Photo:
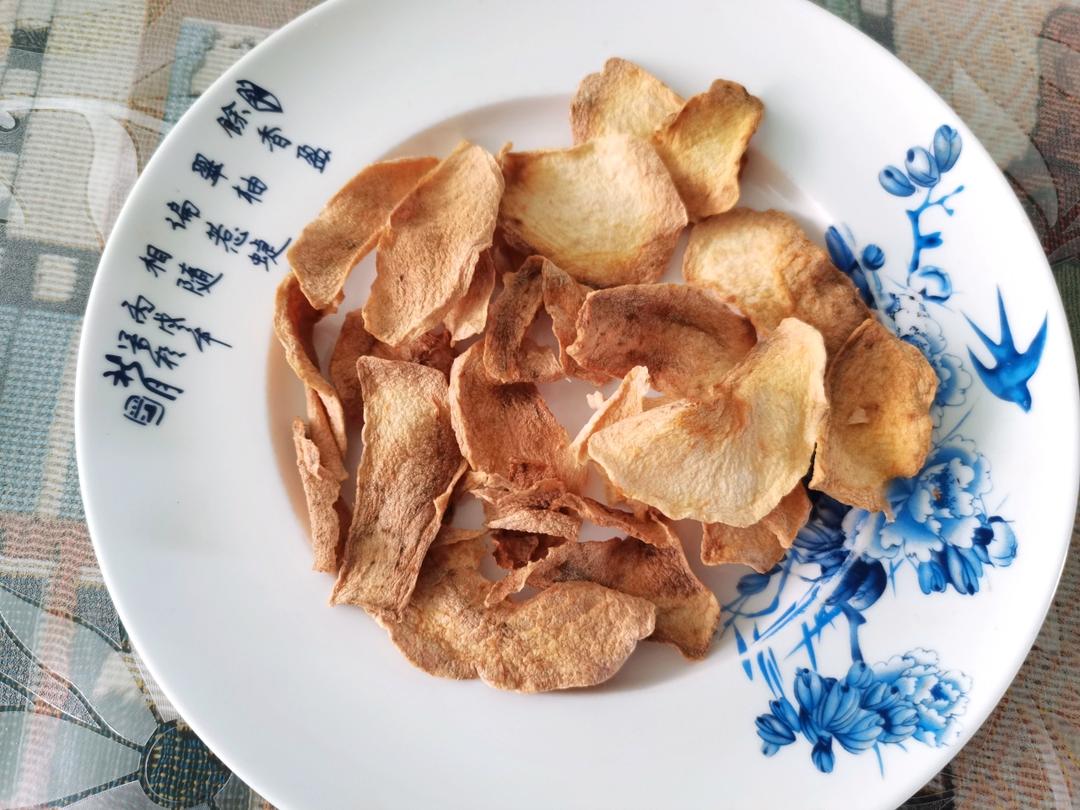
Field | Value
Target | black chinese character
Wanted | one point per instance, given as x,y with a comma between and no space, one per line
198,281
259,98
160,355
143,410
252,190
139,310
121,375
273,139
316,156
233,120
185,212
208,169
226,237
155,259
264,254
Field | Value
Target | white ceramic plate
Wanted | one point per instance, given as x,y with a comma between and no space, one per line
192,497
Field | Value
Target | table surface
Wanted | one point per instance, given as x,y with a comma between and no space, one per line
87,90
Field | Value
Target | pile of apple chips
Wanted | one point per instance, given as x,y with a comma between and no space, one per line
764,374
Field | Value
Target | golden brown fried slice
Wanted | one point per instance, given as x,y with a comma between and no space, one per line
294,324
606,212
732,459
563,298
503,498
428,254
469,315
406,476
763,263
623,98
687,612
349,225
430,349
762,545
509,356
507,429
703,144
880,390
628,400
573,634
321,473
687,337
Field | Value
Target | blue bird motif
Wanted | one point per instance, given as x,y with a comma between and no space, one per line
1008,379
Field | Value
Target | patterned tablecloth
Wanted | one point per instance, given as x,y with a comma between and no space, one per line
87,90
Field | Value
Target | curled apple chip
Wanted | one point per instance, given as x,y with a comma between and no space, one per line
349,225
507,429
469,315
428,253
406,476
521,554
687,612
572,634
686,336
510,356
762,545
319,462
703,144
763,263
728,460
354,341
606,211
294,325
880,390
628,400
563,298
622,98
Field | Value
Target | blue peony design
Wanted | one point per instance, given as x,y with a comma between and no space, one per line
908,696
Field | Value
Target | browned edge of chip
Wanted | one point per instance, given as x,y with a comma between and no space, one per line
349,225
762,545
509,355
469,315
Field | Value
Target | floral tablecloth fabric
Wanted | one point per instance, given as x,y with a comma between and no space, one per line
87,90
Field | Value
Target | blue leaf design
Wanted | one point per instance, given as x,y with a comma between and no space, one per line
921,168
894,181
933,282
947,146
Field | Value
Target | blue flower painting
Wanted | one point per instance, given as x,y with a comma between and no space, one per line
943,534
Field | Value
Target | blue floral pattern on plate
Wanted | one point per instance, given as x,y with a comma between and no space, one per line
943,534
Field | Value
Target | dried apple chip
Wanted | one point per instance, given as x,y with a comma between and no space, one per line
509,356
563,298
762,545
294,324
469,315
732,459
687,612
687,337
406,476
572,634
703,144
506,429
321,473
349,224
621,98
880,390
427,256
763,263
606,212
628,400
430,349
